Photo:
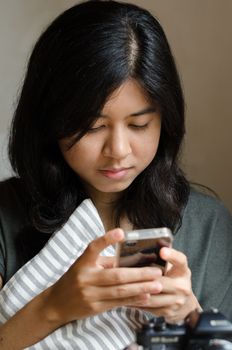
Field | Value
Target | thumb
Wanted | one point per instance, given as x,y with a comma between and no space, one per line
177,259
92,252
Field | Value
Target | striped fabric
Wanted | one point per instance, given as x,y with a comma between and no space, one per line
114,329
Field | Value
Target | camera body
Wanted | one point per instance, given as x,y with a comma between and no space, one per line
201,331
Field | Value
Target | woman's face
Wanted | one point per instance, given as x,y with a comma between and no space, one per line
120,145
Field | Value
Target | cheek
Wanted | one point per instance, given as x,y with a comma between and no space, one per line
150,151
74,157
81,156
148,148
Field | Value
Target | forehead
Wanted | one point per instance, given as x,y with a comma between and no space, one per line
129,95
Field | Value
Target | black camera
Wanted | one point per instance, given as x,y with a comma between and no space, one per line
201,331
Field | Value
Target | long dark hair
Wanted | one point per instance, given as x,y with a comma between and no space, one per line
81,58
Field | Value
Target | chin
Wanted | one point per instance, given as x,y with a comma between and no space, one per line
114,189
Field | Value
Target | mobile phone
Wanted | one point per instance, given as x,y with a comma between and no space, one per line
141,248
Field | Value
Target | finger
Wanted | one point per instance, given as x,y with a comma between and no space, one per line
169,285
169,302
121,275
133,346
122,291
106,261
176,285
159,301
110,304
92,252
175,257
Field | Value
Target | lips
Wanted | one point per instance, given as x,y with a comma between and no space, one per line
115,170
115,173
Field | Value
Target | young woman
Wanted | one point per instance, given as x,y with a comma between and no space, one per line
101,116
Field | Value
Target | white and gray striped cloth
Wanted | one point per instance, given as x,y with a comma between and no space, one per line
114,329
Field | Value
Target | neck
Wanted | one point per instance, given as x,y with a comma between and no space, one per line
105,204
106,212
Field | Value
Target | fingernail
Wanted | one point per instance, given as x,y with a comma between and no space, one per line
117,234
165,252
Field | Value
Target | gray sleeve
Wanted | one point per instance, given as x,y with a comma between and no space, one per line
218,271
206,238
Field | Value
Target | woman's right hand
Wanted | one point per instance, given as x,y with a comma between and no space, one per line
93,285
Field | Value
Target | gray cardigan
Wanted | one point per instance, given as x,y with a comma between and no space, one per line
206,238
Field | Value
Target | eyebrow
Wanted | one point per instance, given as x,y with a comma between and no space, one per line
144,111
136,114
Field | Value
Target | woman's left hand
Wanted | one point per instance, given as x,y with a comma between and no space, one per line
176,300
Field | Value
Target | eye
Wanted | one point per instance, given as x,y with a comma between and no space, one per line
96,128
137,126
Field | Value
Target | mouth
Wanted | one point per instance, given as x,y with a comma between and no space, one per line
115,173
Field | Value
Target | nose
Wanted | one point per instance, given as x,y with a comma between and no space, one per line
117,144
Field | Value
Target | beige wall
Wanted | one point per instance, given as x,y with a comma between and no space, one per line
199,32
200,35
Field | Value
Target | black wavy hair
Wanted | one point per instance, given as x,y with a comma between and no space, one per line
78,61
